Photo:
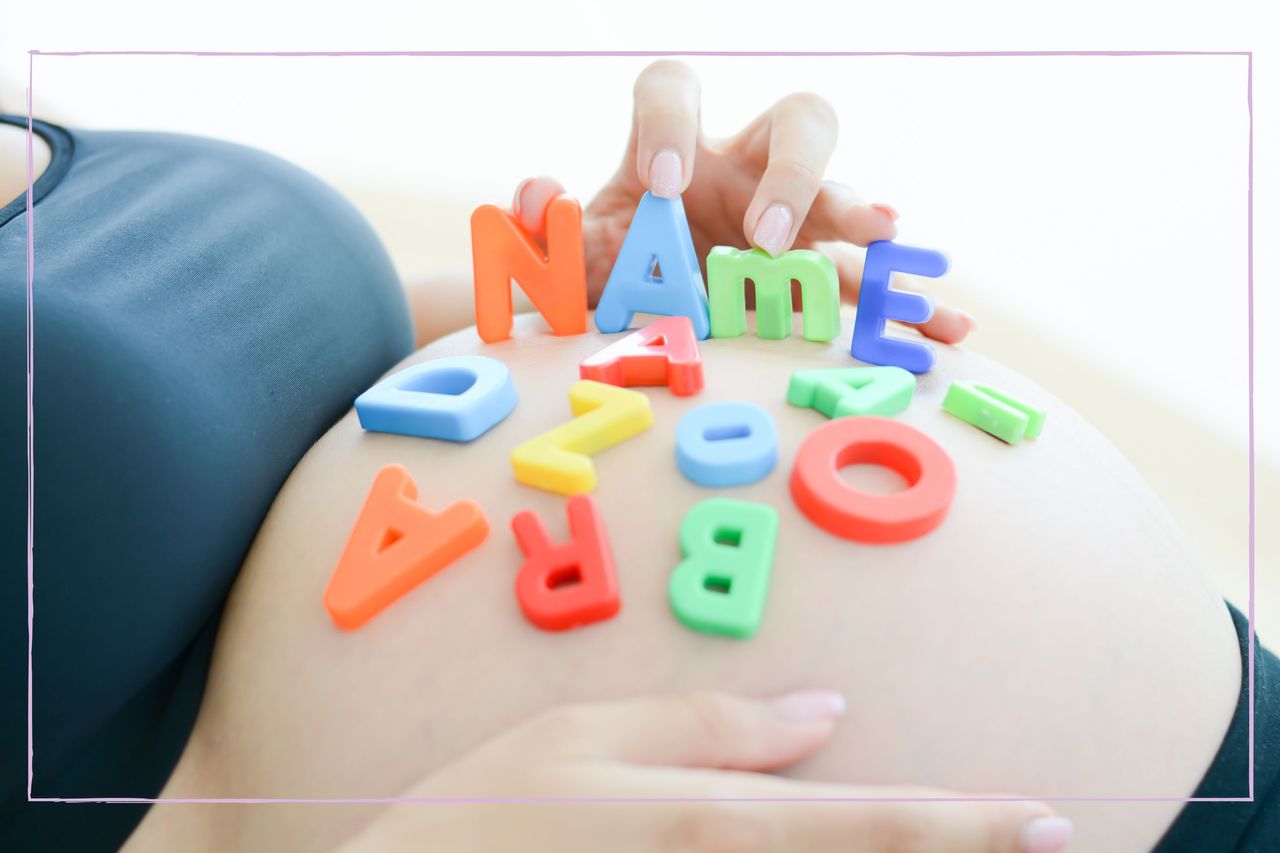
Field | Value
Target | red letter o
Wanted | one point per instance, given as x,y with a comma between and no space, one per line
835,506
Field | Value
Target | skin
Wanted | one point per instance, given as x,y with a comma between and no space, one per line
660,746
13,161
875,826
1035,642
296,708
778,159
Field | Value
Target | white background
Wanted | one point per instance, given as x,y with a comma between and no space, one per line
1094,208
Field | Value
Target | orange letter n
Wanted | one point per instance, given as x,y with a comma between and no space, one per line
556,282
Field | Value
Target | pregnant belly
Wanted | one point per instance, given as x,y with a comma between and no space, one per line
1051,637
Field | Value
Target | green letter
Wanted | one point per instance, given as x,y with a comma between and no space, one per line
720,586
728,269
993,411
843,391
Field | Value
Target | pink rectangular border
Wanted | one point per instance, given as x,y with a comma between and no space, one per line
622,53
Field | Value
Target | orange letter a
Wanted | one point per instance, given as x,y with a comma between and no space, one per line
397,544
556,283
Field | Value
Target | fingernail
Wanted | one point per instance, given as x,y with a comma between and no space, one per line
665,173
808,706
773,229
886,210
1045,835
968,320
515,202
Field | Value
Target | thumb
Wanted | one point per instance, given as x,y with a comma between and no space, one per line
699,729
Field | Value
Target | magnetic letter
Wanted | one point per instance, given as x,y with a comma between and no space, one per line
664,352
728,269
457,399
658,239
991,410
395,545
562,586
721,585
556,282
840,509
845,391
726,444
560,461
877,302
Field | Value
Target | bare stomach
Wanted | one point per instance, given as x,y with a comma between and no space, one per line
1052,637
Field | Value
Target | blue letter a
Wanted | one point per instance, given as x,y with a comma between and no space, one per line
658,237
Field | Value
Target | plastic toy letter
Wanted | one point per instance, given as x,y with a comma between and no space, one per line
726,444
840,509
845,391
556,282
721,585
657,242
573,583
991,410
458,399
877,302
560,460
395,545
728,269
662,353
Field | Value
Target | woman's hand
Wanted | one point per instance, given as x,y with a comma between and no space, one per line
762,187
700,756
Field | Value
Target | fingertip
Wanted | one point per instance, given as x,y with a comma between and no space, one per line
948,326
529,206
772,232
865,224
517,202
667,96
885,210
1046,834
808,706
666,173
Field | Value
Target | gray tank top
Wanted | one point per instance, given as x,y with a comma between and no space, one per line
203,312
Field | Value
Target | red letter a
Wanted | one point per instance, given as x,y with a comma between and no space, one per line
664,352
